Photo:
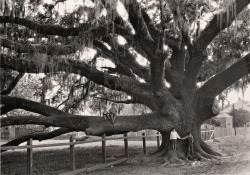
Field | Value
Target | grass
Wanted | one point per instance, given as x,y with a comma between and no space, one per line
50,162
230,146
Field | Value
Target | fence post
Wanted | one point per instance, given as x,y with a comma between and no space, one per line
126,144
30,157
144,143
72,154
103,148
158,139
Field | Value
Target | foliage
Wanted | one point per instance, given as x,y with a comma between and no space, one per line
213,122
241,117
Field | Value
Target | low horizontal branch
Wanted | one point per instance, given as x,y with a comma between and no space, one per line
95,125
28,105
37,136
76,123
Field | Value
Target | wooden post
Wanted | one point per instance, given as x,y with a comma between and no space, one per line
234,123
103,149
72,154
30,157
158,139
144,143
126,144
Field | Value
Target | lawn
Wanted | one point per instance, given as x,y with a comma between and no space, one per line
56,161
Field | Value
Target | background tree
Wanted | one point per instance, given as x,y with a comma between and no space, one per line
177,40
241,117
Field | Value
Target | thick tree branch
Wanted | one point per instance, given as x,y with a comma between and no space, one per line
221,81
172,42
5,109
19,103
12,85
94,125
126,57
120,101
69,49
123,83
37,48
198,53
175,74
37,136
146,33
90,124
204,107
214,27
120,69
77,123
55,29
74,102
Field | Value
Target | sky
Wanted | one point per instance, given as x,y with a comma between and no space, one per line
233,96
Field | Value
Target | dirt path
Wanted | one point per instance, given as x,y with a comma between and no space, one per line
238,164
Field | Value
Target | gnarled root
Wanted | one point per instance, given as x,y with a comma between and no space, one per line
208,149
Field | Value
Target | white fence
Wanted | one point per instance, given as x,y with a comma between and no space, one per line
222,132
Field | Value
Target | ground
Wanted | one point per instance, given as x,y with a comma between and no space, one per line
236,160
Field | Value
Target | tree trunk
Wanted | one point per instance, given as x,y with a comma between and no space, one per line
188,121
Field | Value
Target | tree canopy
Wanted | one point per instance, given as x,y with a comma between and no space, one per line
172,56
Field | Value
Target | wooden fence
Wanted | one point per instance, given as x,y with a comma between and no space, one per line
206,135
72,144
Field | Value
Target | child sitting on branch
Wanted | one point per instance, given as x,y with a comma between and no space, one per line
113,112
105,113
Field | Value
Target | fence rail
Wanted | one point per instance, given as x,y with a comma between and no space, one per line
72,144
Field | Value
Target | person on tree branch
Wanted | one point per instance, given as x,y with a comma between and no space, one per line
105,113
190,140
173,137
113,112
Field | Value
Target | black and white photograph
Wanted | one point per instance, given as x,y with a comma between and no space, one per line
125,87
